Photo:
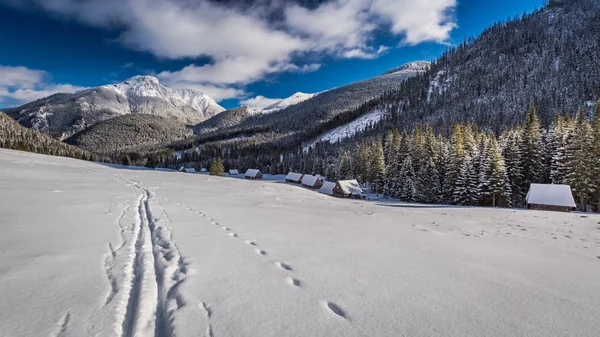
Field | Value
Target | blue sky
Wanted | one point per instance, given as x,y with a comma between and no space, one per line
232,52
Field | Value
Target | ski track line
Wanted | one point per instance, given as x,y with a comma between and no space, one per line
329,306
208,313
62,325
154,270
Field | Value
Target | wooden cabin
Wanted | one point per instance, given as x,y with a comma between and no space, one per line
294,178
550,197
253,174
311,181
327,188
190,170
233,172
347,189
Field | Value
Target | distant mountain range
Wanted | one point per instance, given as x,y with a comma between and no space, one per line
296,98
62,115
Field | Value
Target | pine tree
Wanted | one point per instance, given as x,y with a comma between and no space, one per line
392,165
428,188
580,159
595,163
216,167
530,145
345,168
498,187
377,168
407,181
512,159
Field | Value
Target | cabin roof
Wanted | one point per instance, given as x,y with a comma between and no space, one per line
553,195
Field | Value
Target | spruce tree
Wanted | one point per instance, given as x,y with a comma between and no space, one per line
595,162
377,168
216,167
498,187
530,147
345,168
580,159
407,189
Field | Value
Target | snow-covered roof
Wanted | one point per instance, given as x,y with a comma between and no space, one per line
190,170
350,187
554,195
204,169
234,172
309,180
327,188
294,176
252,173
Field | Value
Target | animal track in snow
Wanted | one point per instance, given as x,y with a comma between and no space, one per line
294,281
251,243
233,235
261,252
334,308
208,312
283,265
226,228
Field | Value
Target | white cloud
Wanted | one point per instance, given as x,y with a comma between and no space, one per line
246,43
22,85
259,102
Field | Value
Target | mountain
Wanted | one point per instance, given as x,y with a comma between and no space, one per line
550,57
303,119
296,98
130,133
16,137
62,115
225,119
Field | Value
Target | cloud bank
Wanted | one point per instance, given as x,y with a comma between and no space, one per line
22,85
248,42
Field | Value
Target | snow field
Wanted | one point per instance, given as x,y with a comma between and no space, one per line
107,251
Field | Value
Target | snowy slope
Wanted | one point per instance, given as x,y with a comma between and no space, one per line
62,115
284,103
166,253
350,129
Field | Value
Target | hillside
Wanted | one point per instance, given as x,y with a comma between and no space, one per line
16,137
551,57
304,118
62,115
134,132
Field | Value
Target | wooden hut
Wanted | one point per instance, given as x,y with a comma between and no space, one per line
311,181
253,174
233,172
294,178
347,189
190,170
550,198
203,170
327,188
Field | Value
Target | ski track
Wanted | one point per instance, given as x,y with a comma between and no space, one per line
330,307
62,325
149,296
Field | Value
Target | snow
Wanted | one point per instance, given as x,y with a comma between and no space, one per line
93,250
190,170
296,98
309,180
141,87
327,188
294,176
252,173
350,187
554,195
348,130
234,172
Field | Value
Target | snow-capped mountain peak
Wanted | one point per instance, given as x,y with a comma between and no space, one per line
416,66
62,115
284,103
